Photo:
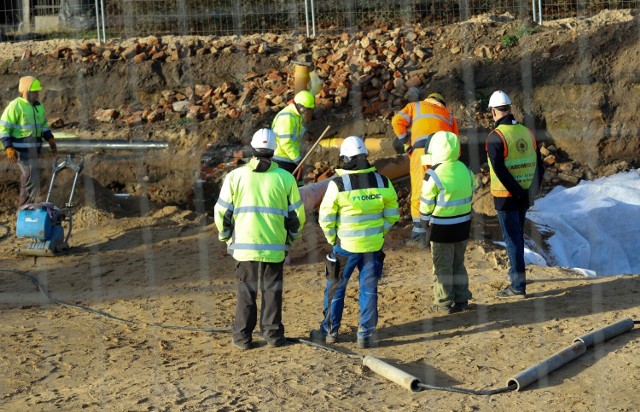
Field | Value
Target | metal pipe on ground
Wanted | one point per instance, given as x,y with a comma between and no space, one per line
579,346
101,144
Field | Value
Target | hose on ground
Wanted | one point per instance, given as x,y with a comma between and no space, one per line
109,316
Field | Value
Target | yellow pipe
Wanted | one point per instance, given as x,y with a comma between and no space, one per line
372,144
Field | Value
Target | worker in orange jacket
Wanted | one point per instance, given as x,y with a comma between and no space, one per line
414,125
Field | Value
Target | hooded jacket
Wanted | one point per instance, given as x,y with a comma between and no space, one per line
447,191
23,125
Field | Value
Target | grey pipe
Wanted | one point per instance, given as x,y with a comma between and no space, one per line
392,373
568,354
606,333
99,144
547,366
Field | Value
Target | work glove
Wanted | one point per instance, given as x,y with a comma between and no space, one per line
12,155
52,145
398,146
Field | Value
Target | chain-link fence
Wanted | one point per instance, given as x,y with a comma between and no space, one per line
129,18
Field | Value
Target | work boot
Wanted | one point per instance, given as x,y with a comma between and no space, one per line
511,293
318,336
242,345
367,343
461,306
277,342
447,310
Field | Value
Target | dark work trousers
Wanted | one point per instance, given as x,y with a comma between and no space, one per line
29,181
270,277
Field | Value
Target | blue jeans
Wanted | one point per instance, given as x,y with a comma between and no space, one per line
370,269
512,225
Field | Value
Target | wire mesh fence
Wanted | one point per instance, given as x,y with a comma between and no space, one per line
129,18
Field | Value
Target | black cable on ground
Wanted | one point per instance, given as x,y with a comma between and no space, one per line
35,281
469,391
422,386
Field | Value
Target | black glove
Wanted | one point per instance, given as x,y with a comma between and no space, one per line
398,146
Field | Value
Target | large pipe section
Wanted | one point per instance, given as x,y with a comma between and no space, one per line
577,348
392,373
391,167
606,333
100,144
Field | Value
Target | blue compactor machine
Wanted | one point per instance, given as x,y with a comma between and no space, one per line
44,223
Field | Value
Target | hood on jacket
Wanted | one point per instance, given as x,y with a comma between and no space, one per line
25,85
443,148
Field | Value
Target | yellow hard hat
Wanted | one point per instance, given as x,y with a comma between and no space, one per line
306,99
438,97
35,86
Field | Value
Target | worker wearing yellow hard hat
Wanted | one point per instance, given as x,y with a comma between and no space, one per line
289,128
23,128
414,125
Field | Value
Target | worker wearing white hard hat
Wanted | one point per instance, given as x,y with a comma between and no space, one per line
258,214
516,172
358,209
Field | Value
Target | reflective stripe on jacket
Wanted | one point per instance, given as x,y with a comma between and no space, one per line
23,125
358,209
447,191
423,119
519,157
287,125
258,214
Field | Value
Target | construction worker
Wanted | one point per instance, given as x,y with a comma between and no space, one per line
288,125
445,206
23,127
358,209
259,213
515,169
413,126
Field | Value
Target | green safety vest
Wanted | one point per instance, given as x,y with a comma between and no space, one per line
358,209
287,125
519,157
447,189
259,214
23,125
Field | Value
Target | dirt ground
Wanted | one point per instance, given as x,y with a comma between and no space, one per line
136,316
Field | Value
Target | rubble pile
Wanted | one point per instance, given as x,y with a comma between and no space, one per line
371,73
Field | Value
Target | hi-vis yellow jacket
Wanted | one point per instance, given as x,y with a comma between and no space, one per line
447,191
259,214
287,125
23,125
358,209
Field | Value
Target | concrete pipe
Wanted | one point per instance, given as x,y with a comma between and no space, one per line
606,333
392,373
532,374
568,354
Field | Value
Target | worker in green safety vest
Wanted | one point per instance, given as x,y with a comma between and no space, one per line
445,207
23,127
258,214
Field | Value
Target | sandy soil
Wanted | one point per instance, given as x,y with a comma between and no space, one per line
156,279
136,317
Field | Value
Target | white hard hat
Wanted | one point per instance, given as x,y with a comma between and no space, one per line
352,146
264,139
499,98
